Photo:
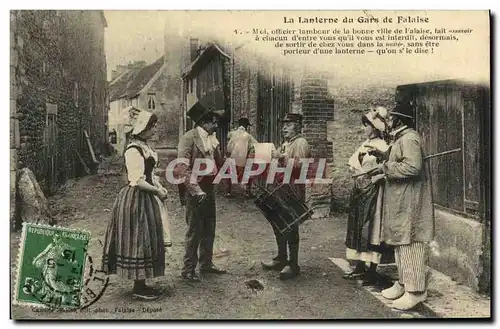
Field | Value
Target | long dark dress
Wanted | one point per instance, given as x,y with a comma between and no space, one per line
134,245
360,223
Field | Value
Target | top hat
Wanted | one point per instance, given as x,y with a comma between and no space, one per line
292,117
404,110
244,122
198,112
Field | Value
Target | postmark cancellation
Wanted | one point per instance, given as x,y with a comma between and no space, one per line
54,269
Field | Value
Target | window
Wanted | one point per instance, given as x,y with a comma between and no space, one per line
134,102
151,102
127,102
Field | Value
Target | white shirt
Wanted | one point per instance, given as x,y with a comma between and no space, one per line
239,142
210,142
135,163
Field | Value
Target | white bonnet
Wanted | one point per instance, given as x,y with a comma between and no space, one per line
141,122
377,117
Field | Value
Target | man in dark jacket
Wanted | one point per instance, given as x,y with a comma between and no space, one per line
199,143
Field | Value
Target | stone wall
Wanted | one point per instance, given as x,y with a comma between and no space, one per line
15,141
168,107
58,90
460,243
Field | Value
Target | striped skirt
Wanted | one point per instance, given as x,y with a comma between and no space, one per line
134,246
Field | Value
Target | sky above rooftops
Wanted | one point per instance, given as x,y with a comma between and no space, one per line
133,35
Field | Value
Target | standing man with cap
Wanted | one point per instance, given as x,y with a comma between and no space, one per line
408,215
239,146
199,143
293,149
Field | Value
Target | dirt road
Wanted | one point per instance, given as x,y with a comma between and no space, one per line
244,238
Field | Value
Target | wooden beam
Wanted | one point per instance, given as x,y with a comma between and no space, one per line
91,149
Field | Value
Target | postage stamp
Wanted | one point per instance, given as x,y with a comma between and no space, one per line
51,267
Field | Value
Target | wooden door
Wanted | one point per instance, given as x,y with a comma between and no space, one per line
273,103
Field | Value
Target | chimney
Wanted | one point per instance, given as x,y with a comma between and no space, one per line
193,48
118,71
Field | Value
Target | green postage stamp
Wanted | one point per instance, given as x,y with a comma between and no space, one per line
51,266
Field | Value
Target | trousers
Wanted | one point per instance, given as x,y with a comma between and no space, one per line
288,241
200,234
411,260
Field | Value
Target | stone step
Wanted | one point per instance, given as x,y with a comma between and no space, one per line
446,298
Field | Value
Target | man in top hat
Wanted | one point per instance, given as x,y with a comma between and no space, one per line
239,146
294,148
199,143
408,215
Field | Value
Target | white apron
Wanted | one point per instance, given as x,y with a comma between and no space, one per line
165,221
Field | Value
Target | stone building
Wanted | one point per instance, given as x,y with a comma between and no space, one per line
58,97
146,87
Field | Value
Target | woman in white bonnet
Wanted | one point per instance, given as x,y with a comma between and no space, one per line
364,221
134,246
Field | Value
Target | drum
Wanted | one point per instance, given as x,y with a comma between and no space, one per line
283,207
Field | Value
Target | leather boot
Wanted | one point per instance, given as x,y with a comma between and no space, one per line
289,272
276,264
293,269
